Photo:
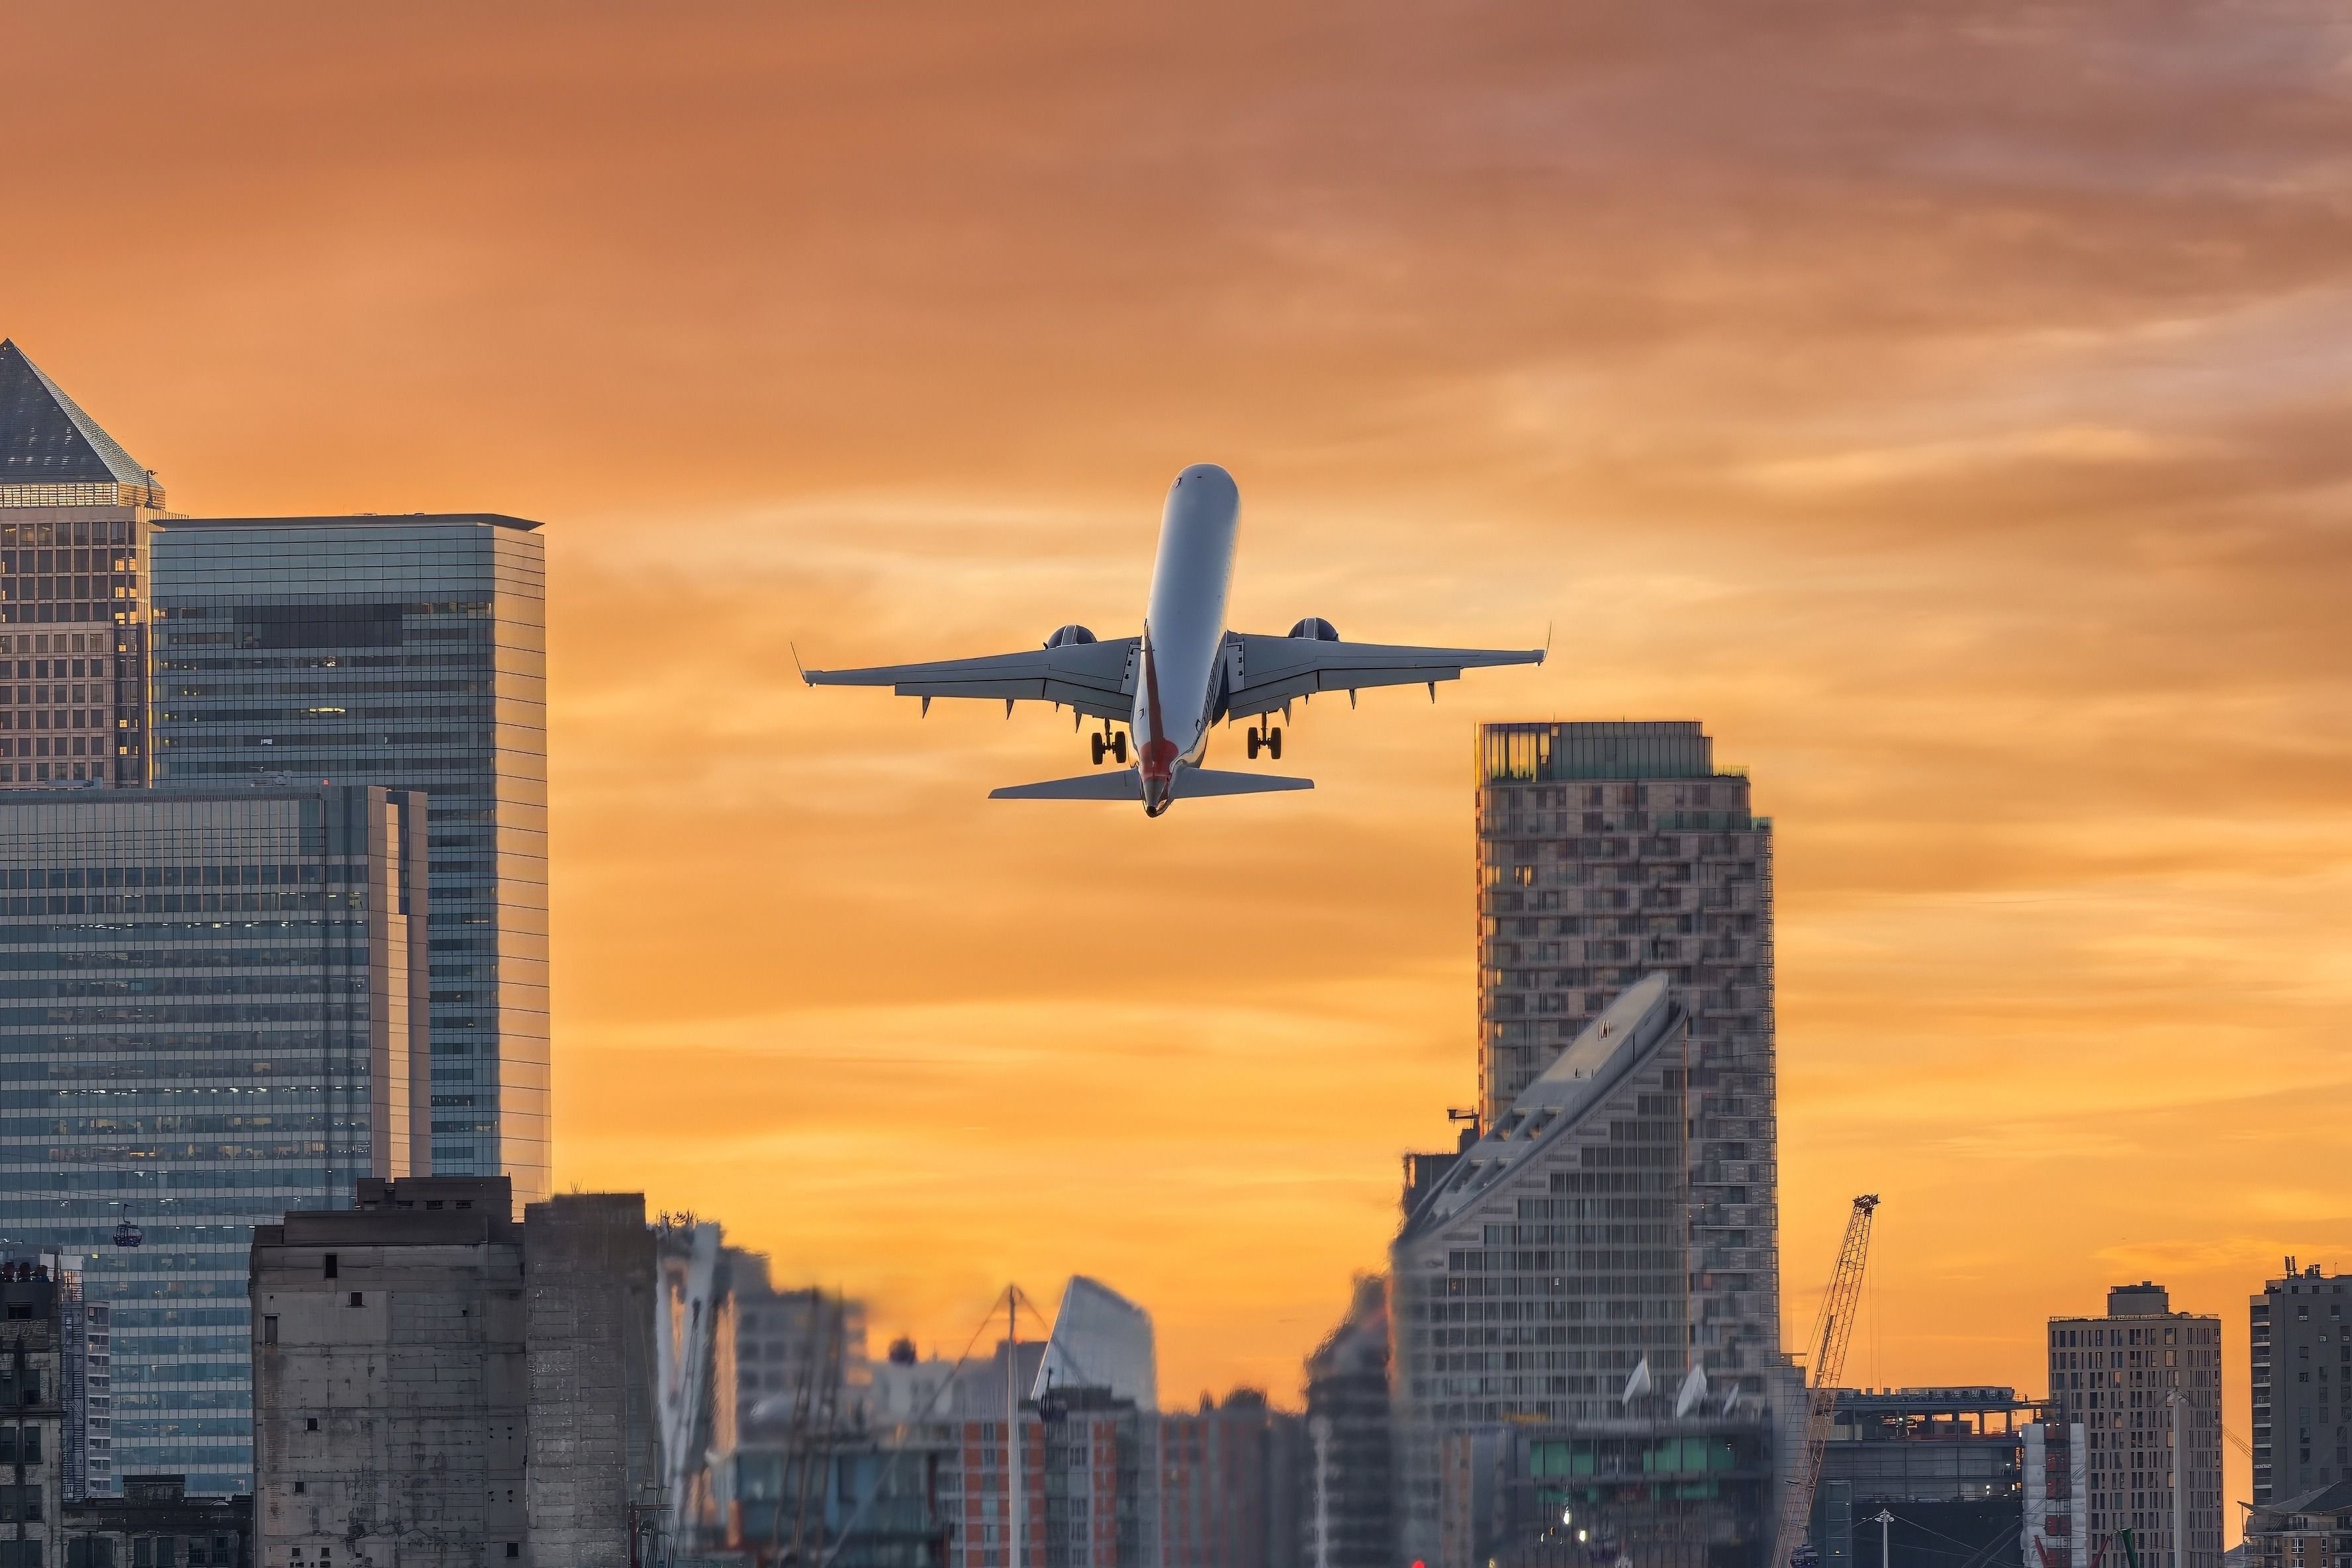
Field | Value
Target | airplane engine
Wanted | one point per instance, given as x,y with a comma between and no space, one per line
1066,636
1317,629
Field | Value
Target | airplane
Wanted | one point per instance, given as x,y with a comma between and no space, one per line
1185,673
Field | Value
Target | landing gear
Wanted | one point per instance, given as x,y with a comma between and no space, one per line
1269,738
1109,745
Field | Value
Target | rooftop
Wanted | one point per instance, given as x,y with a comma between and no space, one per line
1614,749
52,454
356,520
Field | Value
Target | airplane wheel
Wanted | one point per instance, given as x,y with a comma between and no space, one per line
1273,744
1118,745
1255,741
1102,745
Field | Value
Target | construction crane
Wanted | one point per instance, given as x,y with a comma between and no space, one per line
1832,1331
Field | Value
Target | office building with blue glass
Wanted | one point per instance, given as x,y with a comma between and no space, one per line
210,1004
408,652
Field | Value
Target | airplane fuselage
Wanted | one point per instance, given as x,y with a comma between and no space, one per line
1184,628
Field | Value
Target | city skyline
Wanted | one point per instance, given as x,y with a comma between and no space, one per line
1940,462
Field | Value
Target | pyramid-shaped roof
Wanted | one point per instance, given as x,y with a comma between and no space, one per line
47,439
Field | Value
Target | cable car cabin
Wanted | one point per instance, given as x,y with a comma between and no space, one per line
128,1234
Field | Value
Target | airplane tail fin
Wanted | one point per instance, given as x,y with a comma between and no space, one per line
1194,782
1118,784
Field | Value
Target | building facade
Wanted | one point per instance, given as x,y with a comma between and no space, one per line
1948,1463
76,511
408,652
2117,1376
32,1416
155,1522
1552,1278
2308,1530
1609,852
1085,1468
216,999
1346,1502
391,1376
2302,1381
1229,1485
443,1385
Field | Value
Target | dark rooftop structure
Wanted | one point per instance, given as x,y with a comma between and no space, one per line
52,454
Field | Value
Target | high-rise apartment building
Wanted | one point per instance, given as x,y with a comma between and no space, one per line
1609,852
2118,1378
408,652
75,515
2300,1339
217,999
1552,1279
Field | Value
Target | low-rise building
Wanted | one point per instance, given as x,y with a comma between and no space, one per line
1949,1465
155,1521
2310,1529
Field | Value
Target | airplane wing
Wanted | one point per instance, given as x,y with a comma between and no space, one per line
1096,678
1263,673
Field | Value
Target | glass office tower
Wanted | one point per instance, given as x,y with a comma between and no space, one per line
408,652
75,511
209,1003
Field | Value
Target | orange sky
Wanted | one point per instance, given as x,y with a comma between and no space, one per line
1946,404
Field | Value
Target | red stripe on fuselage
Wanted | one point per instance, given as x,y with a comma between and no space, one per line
1155,758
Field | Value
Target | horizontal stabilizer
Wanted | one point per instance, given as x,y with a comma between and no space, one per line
1194,782
1118,784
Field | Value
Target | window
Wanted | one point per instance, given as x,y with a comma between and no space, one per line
269,1329
311,1425
514,1548
359,1299
331,1261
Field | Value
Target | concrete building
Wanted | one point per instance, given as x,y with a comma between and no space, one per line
155,1521
1229,1485
409,653
392,1383
595,1446
438,1384
76,511
2309,1530
1951,1464
2116,1376
1347,1481
1552,1278
2300,1339
218,998
86,1463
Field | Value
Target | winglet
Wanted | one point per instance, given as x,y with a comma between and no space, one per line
798,667
1547,647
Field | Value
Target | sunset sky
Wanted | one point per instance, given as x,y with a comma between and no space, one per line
1947,404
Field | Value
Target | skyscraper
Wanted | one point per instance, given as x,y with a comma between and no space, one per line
1551,1282
2302,1365
2116,1376
75,511
1609,852
219,997
408,652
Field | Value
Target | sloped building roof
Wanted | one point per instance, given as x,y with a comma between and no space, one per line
45,439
